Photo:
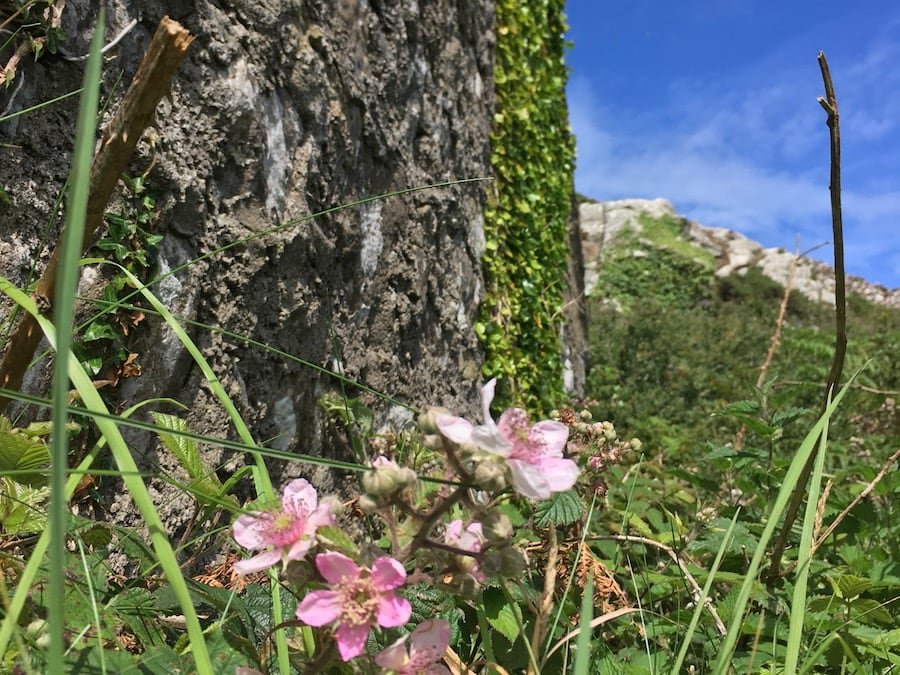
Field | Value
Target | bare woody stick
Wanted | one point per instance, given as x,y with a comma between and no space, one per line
151,82
829,104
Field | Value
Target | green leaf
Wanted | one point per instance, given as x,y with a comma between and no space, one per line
23,509
563,508
20,452
335,539
503,617
205,485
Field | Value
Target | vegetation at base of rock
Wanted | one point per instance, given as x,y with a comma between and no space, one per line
526,222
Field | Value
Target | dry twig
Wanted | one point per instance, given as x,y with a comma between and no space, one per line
151,82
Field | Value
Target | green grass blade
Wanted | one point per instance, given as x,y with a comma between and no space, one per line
64,315
704,594
260,473
583,644
135,485
804,557
790,480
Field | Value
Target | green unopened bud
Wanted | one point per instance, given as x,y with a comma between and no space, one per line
497,527
379,482
490,476
433,441
512,562
406,477
636,444
585,416
334,503
491,562
367,505
428,420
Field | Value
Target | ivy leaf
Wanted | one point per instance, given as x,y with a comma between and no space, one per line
563,508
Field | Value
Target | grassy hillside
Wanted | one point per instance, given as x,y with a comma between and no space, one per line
676,353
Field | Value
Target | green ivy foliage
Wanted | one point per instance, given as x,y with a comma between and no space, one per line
526,222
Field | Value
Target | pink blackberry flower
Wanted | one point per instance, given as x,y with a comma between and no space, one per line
284,534
358,599
533,453
427,645
469,539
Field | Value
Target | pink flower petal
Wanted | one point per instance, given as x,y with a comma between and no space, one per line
561,473
258,562
429,641
321,517
456,429
249,530
351,640
393,610
299,493
529,480
393,657
454,529
487,395
387,574
300,548
320,608
335,566
554,435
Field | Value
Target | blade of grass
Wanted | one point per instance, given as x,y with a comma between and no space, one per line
135,486
804,557
704,594
790,479
261,478
583,642
64,315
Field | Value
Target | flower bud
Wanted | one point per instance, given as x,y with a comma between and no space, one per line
428,420
379,482
585,415
367,505
491,561
433,441
512,562
497,527
636,444
334,503
490,476
406,477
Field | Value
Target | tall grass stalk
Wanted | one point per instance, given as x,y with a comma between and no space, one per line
583,643
723,663
804,558
704,594
64,315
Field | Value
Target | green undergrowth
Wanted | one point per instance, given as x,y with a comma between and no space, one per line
676,355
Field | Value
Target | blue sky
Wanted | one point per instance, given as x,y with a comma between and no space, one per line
711,104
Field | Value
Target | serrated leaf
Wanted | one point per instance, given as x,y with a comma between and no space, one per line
335,539
137,608
23,509
503,617
204,482
563,508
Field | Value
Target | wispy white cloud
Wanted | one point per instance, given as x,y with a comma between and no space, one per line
751,153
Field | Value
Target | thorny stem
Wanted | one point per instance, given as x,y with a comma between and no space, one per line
421,538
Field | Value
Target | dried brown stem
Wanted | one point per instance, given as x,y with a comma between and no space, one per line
545,604
151,82
830,105
862,495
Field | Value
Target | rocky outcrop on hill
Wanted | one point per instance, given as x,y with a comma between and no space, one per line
733,252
